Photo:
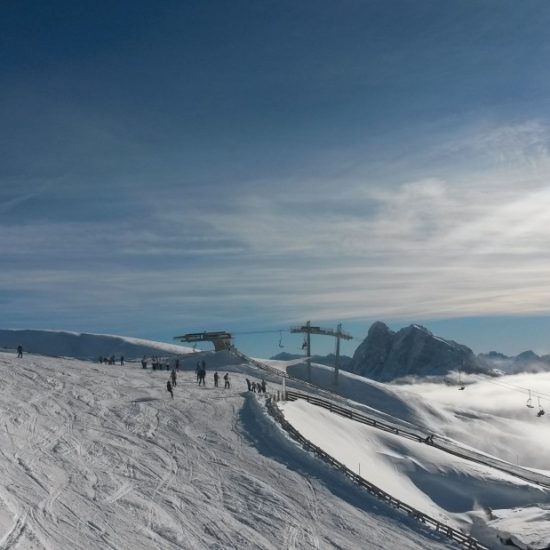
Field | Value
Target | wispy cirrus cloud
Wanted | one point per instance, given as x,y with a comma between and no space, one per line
470,242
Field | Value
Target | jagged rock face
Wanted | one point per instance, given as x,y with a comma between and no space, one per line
386,355
373,351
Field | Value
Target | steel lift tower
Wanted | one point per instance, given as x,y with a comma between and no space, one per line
339,334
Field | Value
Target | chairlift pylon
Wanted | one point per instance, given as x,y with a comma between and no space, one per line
460,383
281,339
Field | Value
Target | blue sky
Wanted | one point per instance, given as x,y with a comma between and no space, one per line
167,167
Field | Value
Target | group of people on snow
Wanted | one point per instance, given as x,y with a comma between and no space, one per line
110,360
258,387
157,364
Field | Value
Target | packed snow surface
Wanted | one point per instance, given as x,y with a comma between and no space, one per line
99,456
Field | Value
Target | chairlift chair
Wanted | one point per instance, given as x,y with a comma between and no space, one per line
541,410
462,387
530,401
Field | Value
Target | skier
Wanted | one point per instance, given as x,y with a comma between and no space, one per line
169,388
226,378
144,362
248,384
198,371
19,351
216,378
263,385
121,360
253,387
173,376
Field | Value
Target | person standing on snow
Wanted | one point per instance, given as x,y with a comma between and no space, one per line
169,389
216,378
263,385
173,377
19,351
202,377
226,378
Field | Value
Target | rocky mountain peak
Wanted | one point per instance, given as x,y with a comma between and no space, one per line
386,355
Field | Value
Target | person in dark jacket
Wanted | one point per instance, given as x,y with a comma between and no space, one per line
248,384
198,371
263,385
19,351
173,377
216,378
226,378
169,389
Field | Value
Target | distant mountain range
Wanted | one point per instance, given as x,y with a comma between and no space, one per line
385,355
528,361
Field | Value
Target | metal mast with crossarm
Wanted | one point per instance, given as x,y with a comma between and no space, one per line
308,330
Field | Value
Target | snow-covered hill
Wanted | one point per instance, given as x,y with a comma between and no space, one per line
99,456
85,345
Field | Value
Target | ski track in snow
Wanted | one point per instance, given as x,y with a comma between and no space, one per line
98,456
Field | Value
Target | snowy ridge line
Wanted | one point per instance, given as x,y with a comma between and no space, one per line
464,540
472,456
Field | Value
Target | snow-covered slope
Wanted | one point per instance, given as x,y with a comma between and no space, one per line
85,345
448,488
490,415
98,456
